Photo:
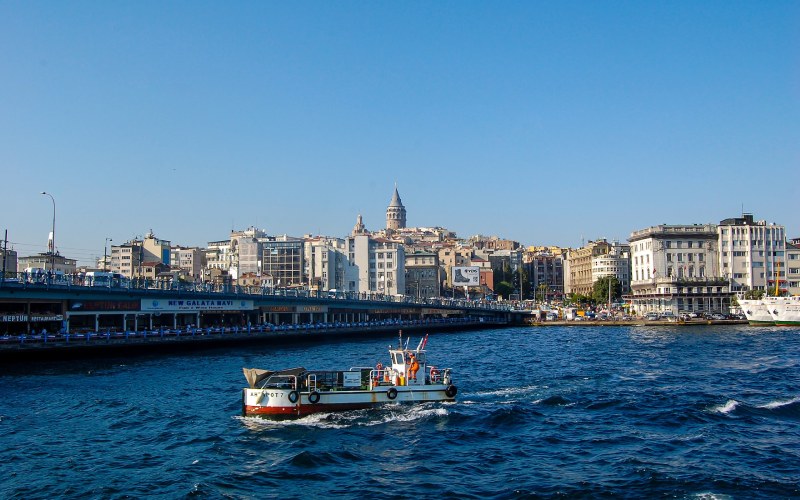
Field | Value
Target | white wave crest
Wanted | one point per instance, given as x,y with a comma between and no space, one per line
707,495
728,407
778,404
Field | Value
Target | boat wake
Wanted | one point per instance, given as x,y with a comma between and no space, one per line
347,419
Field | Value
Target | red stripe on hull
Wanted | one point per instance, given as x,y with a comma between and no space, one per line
302,410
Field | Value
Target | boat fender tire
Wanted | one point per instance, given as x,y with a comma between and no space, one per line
451,391
293,397
391,393
313,398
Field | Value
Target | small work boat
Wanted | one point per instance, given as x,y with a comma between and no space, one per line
297,392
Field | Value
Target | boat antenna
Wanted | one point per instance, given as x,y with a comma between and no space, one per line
400,339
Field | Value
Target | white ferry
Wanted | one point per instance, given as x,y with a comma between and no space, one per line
756,312
297,392
785,311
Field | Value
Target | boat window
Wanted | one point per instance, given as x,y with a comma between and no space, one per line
398,358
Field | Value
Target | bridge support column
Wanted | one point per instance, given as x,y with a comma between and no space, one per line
294,318
96,322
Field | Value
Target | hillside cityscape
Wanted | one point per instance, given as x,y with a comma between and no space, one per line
678,268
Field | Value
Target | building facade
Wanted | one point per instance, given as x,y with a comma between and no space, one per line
46,262
579,267
283,259
8,262
375,265
752,254
545,274
128,259
189,259
675,268
793,267
616,263
422,275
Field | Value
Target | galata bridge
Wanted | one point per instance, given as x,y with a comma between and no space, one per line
58,318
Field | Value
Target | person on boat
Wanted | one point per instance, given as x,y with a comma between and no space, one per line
413,368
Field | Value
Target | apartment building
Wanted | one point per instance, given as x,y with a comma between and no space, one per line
128,258
375,265
188,259
752,254
578,271
616,263
422,274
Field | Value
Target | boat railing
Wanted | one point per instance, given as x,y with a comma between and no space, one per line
279,382
382,376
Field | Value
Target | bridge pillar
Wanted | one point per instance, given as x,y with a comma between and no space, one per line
294,318
96,322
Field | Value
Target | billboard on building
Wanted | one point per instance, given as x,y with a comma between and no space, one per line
467,276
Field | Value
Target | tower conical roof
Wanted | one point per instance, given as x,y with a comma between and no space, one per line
396,202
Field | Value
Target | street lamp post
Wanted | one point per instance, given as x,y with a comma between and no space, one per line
105,254
52,250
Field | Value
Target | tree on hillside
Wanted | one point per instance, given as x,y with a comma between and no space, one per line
504,289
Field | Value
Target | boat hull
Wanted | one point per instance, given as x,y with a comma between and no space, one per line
785,311
756,312
278,403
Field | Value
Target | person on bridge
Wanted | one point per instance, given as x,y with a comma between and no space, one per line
413,368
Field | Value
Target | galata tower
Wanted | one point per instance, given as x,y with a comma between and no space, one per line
396,212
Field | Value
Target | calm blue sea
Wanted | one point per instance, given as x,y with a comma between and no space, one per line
678,412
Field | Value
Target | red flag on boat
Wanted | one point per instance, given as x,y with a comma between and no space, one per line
424,341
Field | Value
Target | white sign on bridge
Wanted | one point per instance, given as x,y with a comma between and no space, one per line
193,305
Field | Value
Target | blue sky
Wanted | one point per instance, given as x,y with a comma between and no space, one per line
543,122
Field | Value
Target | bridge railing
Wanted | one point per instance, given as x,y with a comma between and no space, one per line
44,337
78,280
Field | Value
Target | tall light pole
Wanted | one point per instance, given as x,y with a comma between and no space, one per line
105,254
52,250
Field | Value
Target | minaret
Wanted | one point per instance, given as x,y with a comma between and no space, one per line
359,227
396,212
